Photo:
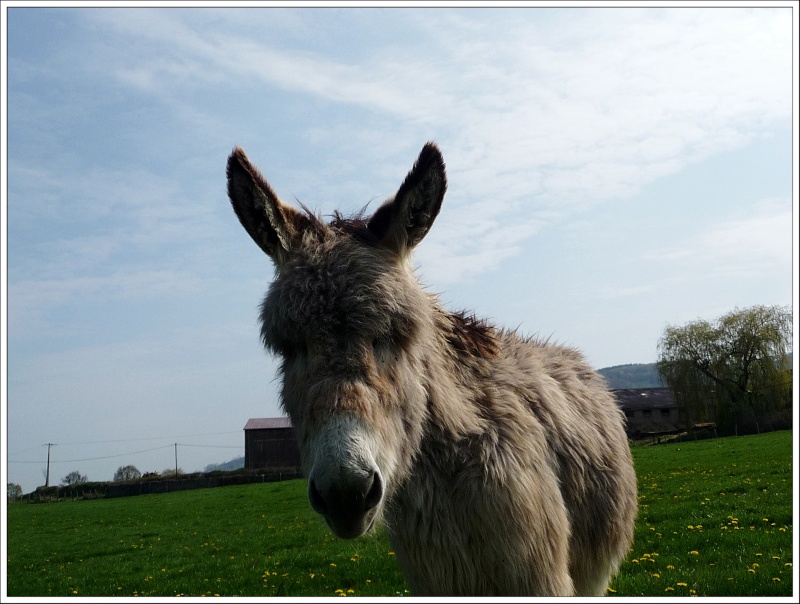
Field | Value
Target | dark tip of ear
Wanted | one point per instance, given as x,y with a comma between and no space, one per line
237,160
234,162
430,160
430,154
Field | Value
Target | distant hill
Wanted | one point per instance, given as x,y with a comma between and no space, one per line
637,375
233,464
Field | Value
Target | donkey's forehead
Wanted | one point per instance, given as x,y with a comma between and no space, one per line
349,286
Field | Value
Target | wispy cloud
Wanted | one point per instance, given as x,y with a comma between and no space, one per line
747,244
595,105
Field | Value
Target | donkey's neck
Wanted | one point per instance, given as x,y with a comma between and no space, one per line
465,352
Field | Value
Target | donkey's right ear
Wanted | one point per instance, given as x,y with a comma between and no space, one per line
273,225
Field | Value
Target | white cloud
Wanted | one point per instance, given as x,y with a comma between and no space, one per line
748,244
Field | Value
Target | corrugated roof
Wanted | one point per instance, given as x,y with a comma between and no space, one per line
644,398
267,423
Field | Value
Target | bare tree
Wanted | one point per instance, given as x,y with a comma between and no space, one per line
14,491
126,473
73,478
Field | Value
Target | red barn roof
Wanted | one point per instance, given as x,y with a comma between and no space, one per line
267,423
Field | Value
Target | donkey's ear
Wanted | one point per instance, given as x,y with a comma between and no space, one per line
273,225
402,221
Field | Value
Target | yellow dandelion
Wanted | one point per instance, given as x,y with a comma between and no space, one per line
657,576
694,552
690,527
333,563
350,591
755,565
776,578
612,591
670,567
776,557
670,589
788,564
339,591
635,561
751,570
681,584
391,553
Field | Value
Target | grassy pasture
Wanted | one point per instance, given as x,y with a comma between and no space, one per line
715,520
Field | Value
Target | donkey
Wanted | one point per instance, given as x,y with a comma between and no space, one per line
497,463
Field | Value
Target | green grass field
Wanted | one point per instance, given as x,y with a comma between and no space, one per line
715,520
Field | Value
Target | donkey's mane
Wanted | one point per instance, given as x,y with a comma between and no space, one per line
355,225
470,335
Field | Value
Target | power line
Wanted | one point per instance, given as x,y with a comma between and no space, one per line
131,453
96,458
125,440
214,446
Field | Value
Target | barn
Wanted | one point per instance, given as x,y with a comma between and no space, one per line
270,443
649,411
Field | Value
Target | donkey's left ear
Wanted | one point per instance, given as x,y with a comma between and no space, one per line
401,222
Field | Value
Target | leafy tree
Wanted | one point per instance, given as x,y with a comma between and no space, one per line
14,491
73,478
732,370
170,473
126,473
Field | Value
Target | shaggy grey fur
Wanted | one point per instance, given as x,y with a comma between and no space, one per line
498,464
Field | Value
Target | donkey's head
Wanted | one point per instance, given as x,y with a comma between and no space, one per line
350,324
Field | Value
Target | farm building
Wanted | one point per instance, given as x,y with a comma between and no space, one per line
270,443
649,411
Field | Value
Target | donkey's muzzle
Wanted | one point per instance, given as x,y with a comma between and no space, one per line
347,502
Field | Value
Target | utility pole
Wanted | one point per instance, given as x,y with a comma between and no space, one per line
176,460
47,476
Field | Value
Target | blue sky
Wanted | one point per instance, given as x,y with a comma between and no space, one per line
611,171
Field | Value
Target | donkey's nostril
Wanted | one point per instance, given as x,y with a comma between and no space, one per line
375,493
317,501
